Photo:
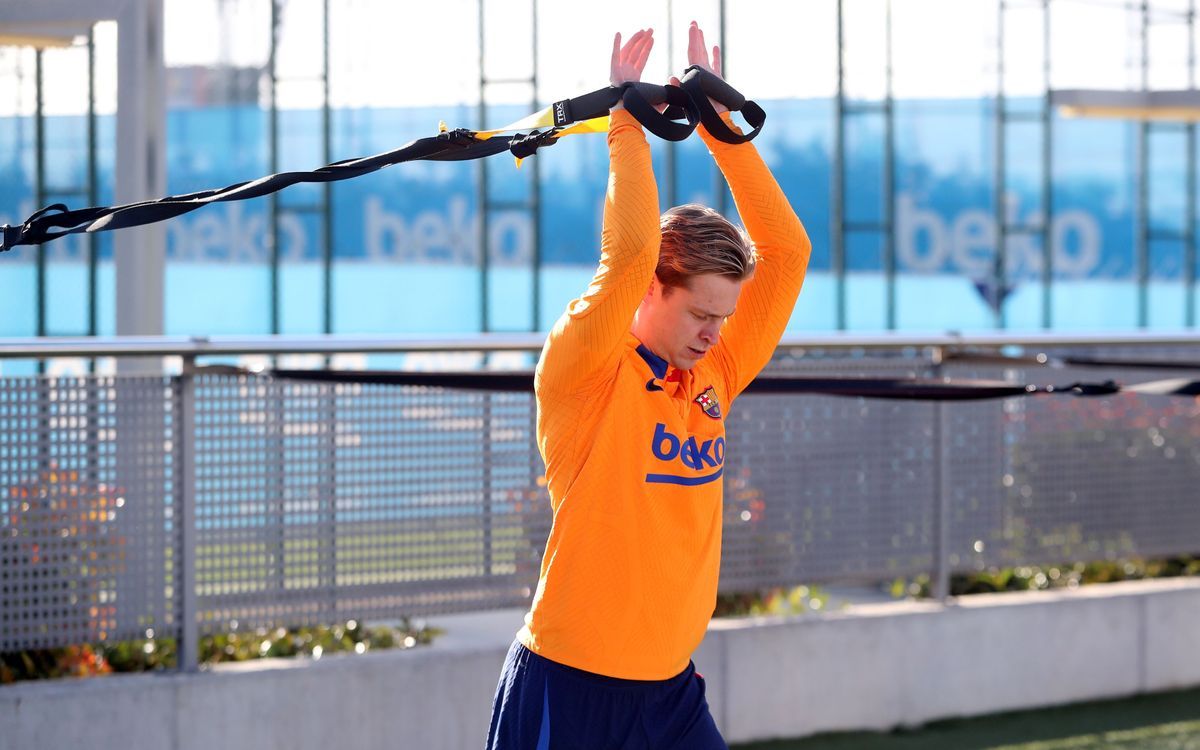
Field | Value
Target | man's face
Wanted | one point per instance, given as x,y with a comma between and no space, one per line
682,323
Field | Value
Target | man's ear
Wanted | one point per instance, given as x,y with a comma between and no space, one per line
655,287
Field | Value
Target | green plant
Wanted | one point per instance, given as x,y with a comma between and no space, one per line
798,599
779,600
152,653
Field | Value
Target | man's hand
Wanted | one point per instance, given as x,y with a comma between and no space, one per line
698,55
629,61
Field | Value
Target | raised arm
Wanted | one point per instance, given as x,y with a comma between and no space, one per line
782,247
584,345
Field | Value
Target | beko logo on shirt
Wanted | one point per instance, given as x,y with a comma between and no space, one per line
696,455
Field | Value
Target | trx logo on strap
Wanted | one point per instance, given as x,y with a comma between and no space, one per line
562,112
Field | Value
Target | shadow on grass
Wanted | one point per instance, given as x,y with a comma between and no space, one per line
1014,728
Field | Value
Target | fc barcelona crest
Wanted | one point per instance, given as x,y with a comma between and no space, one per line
708,402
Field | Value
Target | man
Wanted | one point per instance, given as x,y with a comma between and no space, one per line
633,387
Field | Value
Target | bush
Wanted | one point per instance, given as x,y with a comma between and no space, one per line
799,599
152,654
775,601
1068,576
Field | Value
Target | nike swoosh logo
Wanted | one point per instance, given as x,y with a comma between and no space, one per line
652,386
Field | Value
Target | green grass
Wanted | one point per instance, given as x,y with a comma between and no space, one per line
358,558
1165,721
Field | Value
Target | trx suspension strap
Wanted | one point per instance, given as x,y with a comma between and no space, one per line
1042,359
684,109
898,389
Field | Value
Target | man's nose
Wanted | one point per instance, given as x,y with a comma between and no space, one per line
709,333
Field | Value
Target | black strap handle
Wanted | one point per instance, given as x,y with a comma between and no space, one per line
597,103
703,85
714,87
662,124
640,99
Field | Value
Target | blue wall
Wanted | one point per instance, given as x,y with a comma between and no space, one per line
406,257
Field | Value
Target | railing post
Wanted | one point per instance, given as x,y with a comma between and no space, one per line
189,641
940,578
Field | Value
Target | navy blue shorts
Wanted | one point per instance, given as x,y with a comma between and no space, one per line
543,705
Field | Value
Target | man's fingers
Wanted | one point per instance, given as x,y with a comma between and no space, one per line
716,61
631,45
629,59
644,54
632,48
647,43
692,43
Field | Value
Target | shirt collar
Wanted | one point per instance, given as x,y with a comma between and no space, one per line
658,365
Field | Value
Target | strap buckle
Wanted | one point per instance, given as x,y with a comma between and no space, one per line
523,146
457,137
10,237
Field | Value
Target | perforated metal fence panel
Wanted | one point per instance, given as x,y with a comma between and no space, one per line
822,488
316,503
1095,478
89,542
320,502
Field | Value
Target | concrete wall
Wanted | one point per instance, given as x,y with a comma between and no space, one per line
876,666
884,666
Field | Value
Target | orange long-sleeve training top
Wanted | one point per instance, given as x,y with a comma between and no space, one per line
634,448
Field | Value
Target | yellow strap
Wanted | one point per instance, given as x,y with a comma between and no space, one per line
545,119
594,125
542,119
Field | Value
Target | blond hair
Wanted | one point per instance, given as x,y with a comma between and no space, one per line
697,240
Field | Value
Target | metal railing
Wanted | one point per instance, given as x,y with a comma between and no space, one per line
185,503
201,346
